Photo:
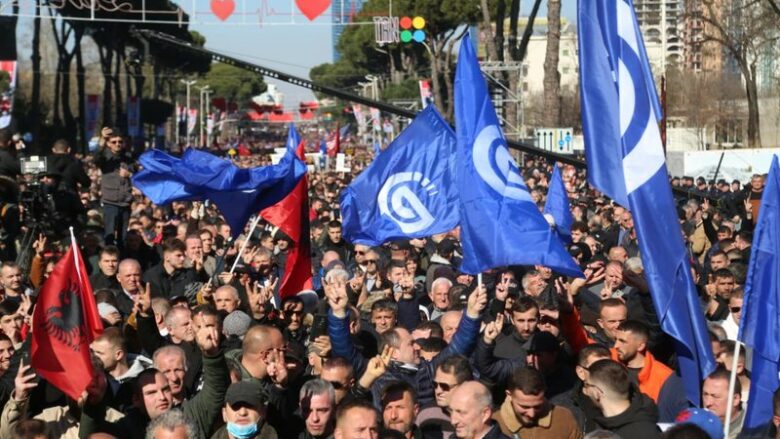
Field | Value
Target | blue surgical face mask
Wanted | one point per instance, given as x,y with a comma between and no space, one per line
242,431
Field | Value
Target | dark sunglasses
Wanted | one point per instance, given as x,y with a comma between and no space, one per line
336,385
371,261
444,386
360,252
735,309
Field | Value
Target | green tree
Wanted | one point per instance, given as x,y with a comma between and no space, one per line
233,83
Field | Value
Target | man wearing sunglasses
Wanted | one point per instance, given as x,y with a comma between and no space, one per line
117,166
434,419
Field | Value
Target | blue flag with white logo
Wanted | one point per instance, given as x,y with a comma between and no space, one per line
408,191
500,223
557,206
620,114
239,193
760,322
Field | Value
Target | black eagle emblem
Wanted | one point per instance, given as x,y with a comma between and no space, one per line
65,322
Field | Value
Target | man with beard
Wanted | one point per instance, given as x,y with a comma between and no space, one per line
654,378
525,321
400,408
526,412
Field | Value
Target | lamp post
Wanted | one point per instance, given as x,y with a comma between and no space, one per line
203,106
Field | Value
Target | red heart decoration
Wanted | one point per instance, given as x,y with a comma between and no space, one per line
312,8
223,9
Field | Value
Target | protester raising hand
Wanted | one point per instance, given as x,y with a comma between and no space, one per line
493,329
207,338
23,384
276,367
376,367
337,299
477,301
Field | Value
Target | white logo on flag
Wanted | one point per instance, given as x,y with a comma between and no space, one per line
496,167
398,201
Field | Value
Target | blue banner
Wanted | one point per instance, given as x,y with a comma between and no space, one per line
408,191
620,114
500,223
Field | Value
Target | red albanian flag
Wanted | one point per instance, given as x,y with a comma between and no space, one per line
334,144
291,215
65,322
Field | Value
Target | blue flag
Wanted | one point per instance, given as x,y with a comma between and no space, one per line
626,161
293,139
408,191
760,322
500,223
239,193
157,181
557,206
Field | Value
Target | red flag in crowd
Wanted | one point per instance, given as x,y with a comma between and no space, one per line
334,144
291,215
65,322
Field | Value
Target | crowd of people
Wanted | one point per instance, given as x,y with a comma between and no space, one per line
391,341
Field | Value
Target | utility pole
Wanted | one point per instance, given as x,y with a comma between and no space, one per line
187,108
203,106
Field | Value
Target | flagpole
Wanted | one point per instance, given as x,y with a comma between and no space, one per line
243,244
732,384
75,250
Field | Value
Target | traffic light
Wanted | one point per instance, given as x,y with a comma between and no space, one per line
413,29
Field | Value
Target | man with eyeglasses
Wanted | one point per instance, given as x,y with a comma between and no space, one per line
117,166
434,418
609,387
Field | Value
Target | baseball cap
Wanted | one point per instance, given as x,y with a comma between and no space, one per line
702,418
248,392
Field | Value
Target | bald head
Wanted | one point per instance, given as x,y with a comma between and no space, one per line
470,409
259,342
260,338
129,275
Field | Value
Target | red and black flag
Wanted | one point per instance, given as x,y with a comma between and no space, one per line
291,215
65,322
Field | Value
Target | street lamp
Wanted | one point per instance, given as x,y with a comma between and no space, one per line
201,129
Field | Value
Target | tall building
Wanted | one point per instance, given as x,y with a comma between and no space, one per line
342,13
701,55
660,21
